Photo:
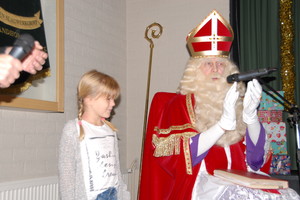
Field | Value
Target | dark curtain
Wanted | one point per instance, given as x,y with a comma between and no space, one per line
257,31
256,25
235,24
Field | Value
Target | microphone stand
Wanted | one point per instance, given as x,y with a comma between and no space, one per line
293,116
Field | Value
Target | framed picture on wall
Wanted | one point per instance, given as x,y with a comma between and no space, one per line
47,93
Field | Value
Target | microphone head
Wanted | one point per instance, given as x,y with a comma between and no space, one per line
273,69
232,78
26,41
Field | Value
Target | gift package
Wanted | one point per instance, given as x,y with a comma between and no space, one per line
281,164
276,131
276,134
266,116
268,102
270,115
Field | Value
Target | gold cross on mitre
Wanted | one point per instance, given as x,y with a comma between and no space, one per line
212,37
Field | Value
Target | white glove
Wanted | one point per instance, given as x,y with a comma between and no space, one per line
251,102
228,118
208,138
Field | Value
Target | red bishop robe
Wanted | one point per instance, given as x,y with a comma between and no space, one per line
167,172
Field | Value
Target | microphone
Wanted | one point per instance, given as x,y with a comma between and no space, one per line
22,46
249,75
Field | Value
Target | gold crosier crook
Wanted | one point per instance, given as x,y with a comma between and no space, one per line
154,34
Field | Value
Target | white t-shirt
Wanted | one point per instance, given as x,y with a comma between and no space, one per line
98,159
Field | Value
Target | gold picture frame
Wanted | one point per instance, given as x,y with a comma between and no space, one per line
57,104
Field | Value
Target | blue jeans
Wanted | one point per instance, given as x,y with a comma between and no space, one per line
109,194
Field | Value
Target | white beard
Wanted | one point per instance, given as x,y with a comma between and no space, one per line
209,97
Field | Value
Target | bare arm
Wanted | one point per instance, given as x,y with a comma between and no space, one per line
9,70
11,67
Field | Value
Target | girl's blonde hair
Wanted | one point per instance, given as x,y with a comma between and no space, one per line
94,84
209,97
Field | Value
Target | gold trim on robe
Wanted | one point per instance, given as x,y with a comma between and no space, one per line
170,145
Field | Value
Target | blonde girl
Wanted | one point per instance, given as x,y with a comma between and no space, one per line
89,167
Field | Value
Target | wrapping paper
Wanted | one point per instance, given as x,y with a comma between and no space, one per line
276,131
266,116
280,164
279,147
269,103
